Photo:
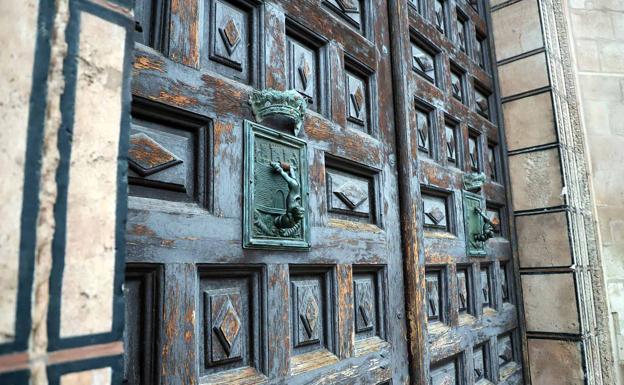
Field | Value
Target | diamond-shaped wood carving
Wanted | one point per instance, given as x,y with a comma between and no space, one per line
365,311
439,15
423,62
422,124
146,156
435,211
358,99
308,312
482,104
352,194
473,153
451,145
304,71
505,350
350,6
462,290
461,39
227,326
231,35
504,283
445,374
310,315
485,286
492,162
433,296
436,215
456,86
480,367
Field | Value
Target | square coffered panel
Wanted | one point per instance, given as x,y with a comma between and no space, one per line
435,211
302,71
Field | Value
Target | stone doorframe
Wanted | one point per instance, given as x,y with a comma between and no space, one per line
561,275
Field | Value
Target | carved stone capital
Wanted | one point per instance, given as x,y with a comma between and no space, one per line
283,107
474,181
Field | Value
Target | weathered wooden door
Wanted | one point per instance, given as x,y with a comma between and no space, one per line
200,307
472,329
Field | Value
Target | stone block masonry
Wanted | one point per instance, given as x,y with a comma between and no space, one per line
66,114
549,53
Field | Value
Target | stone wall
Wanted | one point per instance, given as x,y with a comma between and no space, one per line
597,35
559,253
65,74
17,80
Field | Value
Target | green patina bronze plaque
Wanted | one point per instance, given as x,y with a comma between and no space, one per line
479,228
276,190
474,204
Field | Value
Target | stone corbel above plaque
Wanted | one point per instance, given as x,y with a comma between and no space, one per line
473,181
281,109
276,174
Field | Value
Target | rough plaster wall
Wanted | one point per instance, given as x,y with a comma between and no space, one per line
92,195
38,345
88,377
597,30
19,20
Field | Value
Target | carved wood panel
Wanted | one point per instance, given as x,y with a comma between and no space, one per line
151,23
275,316
457,85
453,79
142,298
474,152
425,128
435,206
493,161
312,310
487,299
482,103
505,283
358,95
506,350
452,144
440,15
370,303
481,363
446,374
351,190
481,53
165,153
435,295
230,315
464,290
351,11
424,61
232,42
461,31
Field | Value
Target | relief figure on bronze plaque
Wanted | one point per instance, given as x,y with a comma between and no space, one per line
287,224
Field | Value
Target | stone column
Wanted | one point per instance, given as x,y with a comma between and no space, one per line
597,42
65,107
560,264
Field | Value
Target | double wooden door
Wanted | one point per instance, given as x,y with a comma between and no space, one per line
473,331
201,308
